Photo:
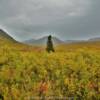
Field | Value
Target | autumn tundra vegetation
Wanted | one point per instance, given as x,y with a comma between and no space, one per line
72,72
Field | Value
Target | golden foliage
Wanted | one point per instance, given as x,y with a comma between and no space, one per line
65,73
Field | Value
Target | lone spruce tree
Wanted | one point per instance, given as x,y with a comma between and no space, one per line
50,45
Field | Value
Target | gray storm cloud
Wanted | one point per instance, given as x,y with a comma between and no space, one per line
68,19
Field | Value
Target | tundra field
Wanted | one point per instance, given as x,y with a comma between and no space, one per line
30,73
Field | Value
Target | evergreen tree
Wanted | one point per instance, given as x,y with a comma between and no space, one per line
50,44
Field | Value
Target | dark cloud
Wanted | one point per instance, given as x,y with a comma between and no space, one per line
68,19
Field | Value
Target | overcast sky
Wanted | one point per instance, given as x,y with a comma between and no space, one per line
66,19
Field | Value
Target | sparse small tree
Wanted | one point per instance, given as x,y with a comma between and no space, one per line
50,47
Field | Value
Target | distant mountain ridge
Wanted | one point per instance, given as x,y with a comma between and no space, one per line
73,41
43,41
94,39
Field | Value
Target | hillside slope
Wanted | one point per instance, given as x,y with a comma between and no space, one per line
5,36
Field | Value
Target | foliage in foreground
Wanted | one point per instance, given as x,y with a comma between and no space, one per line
26,75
